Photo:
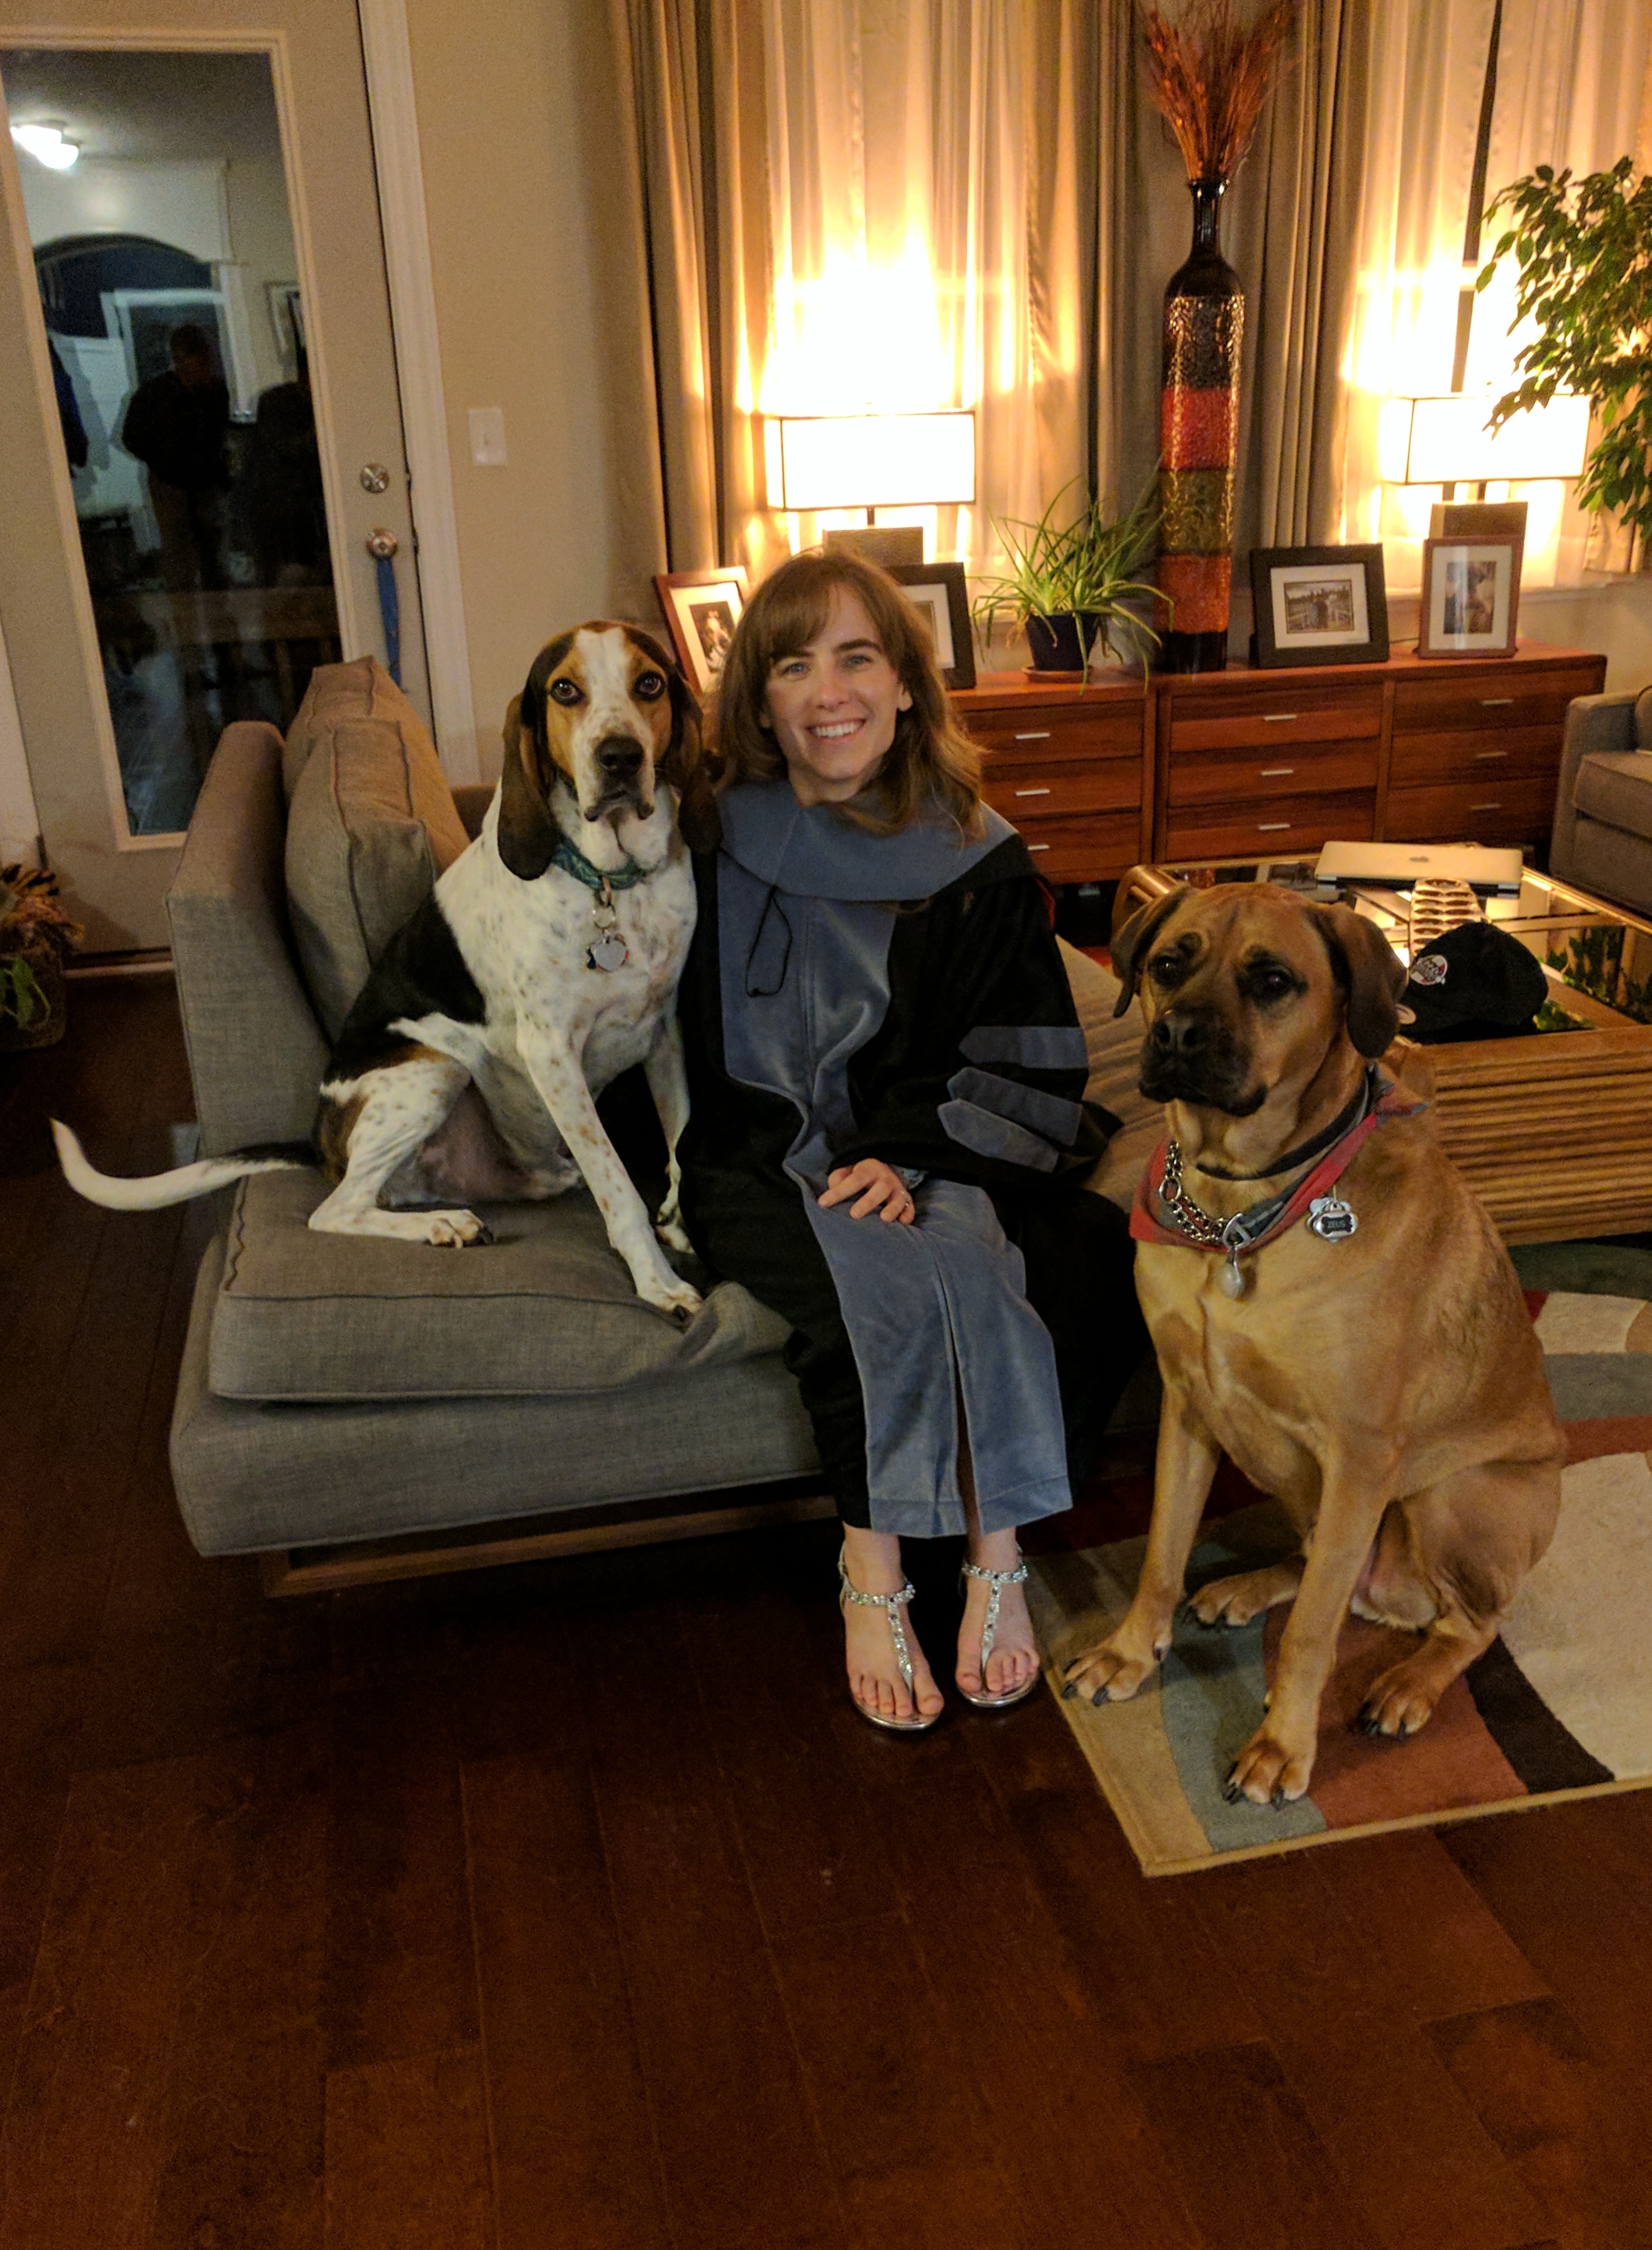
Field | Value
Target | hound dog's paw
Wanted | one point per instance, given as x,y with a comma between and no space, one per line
1236,1601
672,1233
1269,1771
1111,1672
680,1301
458,1230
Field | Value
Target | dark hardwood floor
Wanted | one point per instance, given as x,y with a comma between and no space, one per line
572,1906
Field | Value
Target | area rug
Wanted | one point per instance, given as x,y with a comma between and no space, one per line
1559,1707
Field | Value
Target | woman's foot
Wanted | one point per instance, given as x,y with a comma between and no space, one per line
872,1561
1013,1660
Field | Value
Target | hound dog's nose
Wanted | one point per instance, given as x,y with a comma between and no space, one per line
619,757
1180,1032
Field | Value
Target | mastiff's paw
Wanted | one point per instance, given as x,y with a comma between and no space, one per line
1115,1669
1269,1771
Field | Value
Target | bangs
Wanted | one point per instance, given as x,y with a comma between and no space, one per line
800,608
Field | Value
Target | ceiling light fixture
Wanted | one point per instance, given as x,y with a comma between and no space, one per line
46,144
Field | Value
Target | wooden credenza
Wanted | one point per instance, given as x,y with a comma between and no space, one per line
1223,765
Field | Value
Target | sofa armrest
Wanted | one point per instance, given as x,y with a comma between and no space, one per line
256,1050
1593,722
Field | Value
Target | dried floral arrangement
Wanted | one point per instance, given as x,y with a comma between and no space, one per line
1210,73
36,935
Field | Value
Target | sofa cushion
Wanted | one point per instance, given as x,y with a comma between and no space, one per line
545,1308
1616,786
1643,718
371,823
1114,1047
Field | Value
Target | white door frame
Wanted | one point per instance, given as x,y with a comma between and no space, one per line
388,52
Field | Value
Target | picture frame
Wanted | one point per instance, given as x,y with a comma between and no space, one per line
938,591
1470,596
1318,605
701,609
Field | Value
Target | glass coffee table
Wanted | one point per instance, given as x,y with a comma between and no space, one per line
1553,1130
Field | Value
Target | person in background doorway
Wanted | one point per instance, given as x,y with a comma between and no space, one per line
176,424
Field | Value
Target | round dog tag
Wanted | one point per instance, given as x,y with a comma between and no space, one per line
610,951
1331,1218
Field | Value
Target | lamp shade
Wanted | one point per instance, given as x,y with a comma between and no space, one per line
1444,440
870,460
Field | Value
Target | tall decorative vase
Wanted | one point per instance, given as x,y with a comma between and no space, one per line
1199,436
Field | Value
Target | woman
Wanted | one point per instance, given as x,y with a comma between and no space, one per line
886,1073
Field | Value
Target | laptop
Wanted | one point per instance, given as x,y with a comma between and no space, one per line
1396,864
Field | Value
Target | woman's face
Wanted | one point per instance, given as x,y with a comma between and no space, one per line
832,706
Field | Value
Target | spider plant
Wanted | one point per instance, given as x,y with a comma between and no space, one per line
1084,569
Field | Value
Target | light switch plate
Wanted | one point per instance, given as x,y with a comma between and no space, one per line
487,437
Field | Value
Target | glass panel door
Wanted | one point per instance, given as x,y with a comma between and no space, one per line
163,250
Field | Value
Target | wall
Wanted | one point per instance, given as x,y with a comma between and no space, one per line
536,253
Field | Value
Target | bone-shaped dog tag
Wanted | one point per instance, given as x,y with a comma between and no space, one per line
1331,1218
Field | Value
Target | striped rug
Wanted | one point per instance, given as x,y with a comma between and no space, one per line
1561,1705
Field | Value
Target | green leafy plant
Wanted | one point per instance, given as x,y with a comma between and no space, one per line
1085,568
1583,250
22,1002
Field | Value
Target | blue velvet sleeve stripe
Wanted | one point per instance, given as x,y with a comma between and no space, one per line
1033,1046
1046,1114
985,1135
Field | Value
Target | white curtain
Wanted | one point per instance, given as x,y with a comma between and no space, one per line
1571,89
932,234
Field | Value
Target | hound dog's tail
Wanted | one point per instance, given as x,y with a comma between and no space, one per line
163,1188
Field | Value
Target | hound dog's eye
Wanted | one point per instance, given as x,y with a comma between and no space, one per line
650,686
565,691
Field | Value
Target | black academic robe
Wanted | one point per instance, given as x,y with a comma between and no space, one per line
973,1072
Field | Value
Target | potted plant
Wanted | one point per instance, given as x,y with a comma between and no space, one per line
36,938
1072,588
1583,255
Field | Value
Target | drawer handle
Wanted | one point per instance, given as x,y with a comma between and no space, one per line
1278,718
1044,847
1032,792
1276,773
1268,827
1035,735
1491,702
1496,805
1483,757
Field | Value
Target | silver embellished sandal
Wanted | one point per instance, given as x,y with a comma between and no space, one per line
997,1581
891,1604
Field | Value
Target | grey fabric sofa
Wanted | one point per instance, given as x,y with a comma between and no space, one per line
338,1389
1602,835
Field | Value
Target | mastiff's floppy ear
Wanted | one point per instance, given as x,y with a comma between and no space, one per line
1132,938
688,766
527,830
1369,970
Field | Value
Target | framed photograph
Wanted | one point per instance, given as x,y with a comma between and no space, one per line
883,543
1318,605
937,589
702,608
1470,596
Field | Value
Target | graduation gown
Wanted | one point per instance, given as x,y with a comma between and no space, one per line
849,995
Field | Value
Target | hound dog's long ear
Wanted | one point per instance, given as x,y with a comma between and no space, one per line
528,829
1132,938
1371,973
687,764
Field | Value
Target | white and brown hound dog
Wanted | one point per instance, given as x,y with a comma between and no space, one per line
543,964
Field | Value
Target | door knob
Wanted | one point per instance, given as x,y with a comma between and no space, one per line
381,544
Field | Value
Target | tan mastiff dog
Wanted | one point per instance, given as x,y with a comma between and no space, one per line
1369,1361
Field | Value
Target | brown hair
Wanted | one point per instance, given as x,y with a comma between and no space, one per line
932,759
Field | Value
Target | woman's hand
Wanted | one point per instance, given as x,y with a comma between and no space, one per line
879,1186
